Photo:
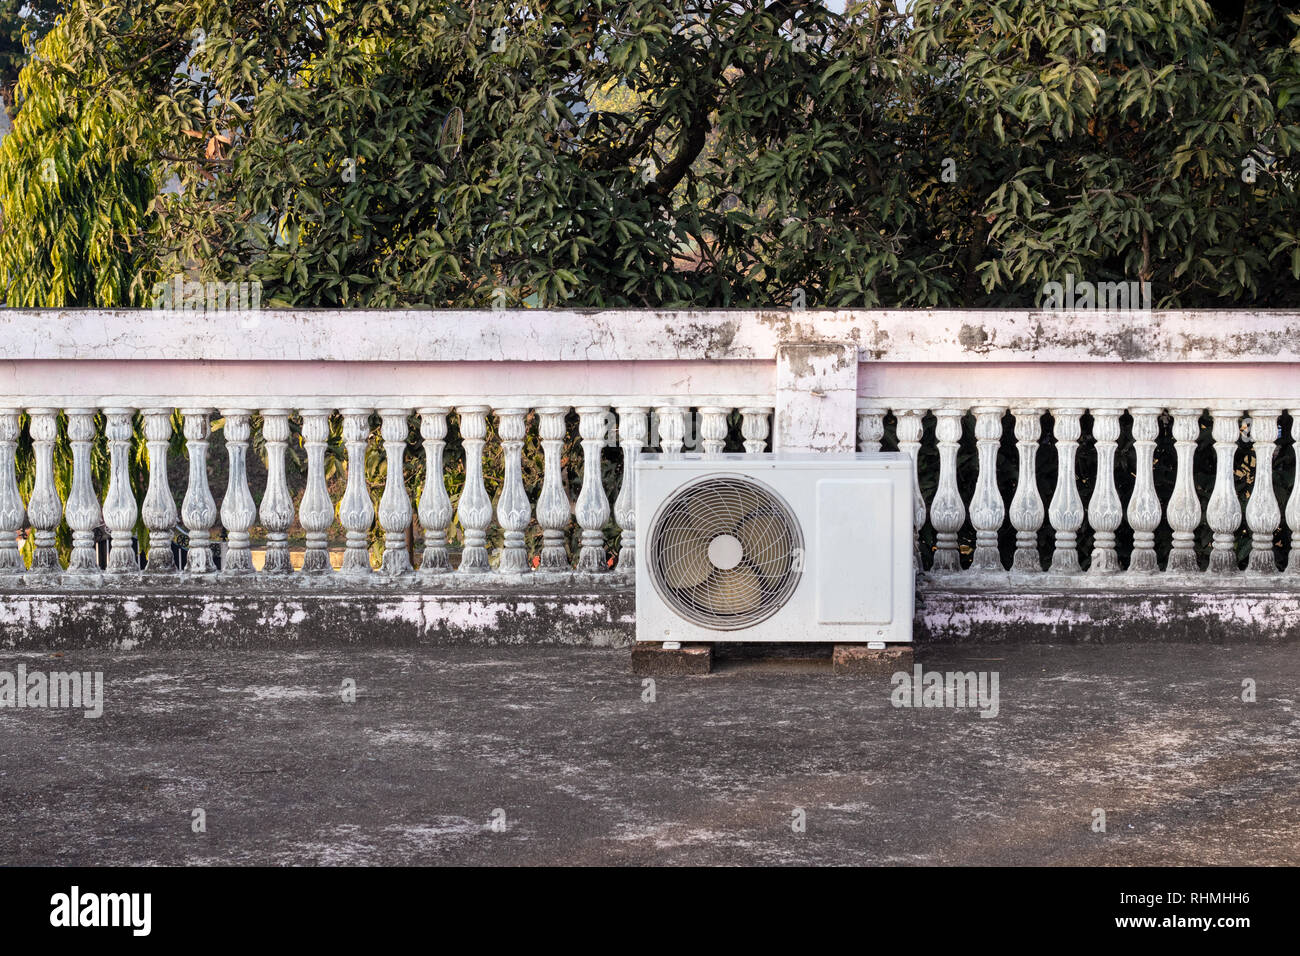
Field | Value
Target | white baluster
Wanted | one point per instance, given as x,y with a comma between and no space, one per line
670,423
1066,509
44,507
513,509
1027,511
395,503
435,504
947,512
276,510
1184,508
871,428
238,510
593,506
911,423
553,507
1262,512
198,508
82,509
356,510
474,510
755,427
11,502
633,431
1143,504
1105,511
316,510
986,508
120,509
1224,510
713,429
159,509
1292,503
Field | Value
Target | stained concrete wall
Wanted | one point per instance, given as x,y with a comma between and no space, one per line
227,617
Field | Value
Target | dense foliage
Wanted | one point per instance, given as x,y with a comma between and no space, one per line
646,153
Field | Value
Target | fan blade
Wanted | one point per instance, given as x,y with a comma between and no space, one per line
686,563
734,591
766,543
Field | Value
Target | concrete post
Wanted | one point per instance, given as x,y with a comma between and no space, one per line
816,397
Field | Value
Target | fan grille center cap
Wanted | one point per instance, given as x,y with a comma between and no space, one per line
725,552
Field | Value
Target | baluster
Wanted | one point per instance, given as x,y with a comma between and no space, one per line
986,508
1292,503
82,509
474,510
198,508
1184,508
713,429
1143,504
513,509
276,509
435,504
1262,513
356,510
671,425
119,502
238,511
11,502
159,510
947,512
1224,510
871,428
1066,510
911,422
553,507
633,431
1105,511
316,510
44,507
1027,511
593,506
755,428
395,503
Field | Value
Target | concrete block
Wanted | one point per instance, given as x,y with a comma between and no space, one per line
651,659
863,661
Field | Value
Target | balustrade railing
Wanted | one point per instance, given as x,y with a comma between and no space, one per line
446,448
597,508
993,515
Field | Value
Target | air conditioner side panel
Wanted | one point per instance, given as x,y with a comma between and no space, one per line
854,548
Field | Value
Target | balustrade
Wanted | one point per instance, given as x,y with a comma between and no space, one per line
480,521
1016,474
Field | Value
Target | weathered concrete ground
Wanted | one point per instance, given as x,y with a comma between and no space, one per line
710,772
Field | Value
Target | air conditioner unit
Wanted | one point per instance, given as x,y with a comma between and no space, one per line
774,547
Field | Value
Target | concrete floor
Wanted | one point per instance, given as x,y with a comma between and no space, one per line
710,772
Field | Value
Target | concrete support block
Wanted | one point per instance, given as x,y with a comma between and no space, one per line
816,397
862,661
652,659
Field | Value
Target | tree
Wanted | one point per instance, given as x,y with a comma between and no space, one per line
22,24
704,153
73,193
1153,142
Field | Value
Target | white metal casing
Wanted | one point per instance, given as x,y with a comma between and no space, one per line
855,515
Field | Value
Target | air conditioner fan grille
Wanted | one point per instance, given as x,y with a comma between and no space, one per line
725,552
